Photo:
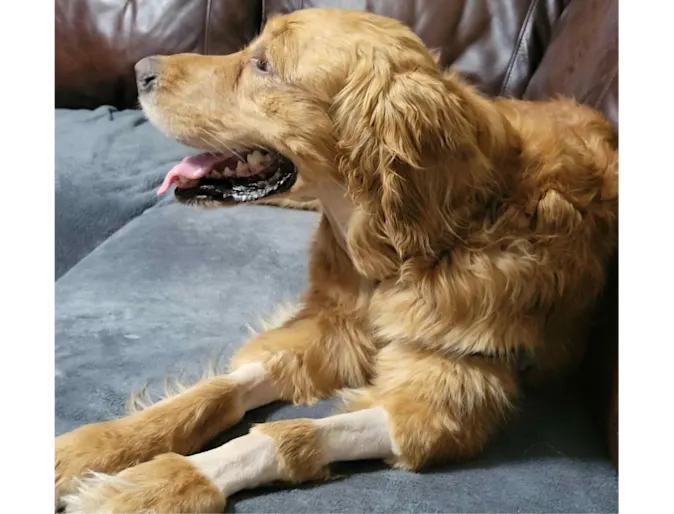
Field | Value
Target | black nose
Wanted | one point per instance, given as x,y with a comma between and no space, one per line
147,70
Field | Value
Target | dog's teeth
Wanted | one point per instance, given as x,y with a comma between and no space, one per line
256,168
266,157
243,169
254,157
215,174
228,172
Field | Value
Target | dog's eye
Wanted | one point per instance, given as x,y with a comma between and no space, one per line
262,65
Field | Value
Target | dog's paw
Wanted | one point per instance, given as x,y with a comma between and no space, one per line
99,447
168,483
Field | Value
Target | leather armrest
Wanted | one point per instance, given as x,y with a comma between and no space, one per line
603,365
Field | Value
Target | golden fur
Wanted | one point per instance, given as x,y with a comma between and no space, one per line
297,447
177,479
467,232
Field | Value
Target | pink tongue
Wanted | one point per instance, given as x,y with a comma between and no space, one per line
191,168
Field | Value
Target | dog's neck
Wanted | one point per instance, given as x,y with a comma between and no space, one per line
338,208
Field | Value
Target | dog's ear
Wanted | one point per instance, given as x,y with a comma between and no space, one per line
393,128
410,116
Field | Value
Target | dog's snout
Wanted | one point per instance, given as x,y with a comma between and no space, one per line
147,70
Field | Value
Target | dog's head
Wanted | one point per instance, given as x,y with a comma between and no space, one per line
320,93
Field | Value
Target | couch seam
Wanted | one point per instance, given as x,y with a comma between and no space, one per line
605,89
520,38
207,25
263,16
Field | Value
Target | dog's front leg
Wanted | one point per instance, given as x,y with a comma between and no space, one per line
292,451
181,424
420,409
287,363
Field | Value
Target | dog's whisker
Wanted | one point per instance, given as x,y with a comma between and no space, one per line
210,142
213,133
219,142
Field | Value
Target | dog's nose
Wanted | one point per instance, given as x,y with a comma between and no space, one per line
147,70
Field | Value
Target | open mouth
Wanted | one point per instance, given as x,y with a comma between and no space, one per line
232,177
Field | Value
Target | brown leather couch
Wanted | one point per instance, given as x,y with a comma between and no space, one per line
523,48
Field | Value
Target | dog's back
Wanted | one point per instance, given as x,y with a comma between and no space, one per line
569,191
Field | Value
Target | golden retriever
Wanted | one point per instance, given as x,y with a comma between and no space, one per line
460,238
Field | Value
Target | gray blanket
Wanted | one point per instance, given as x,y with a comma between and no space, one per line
108,166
